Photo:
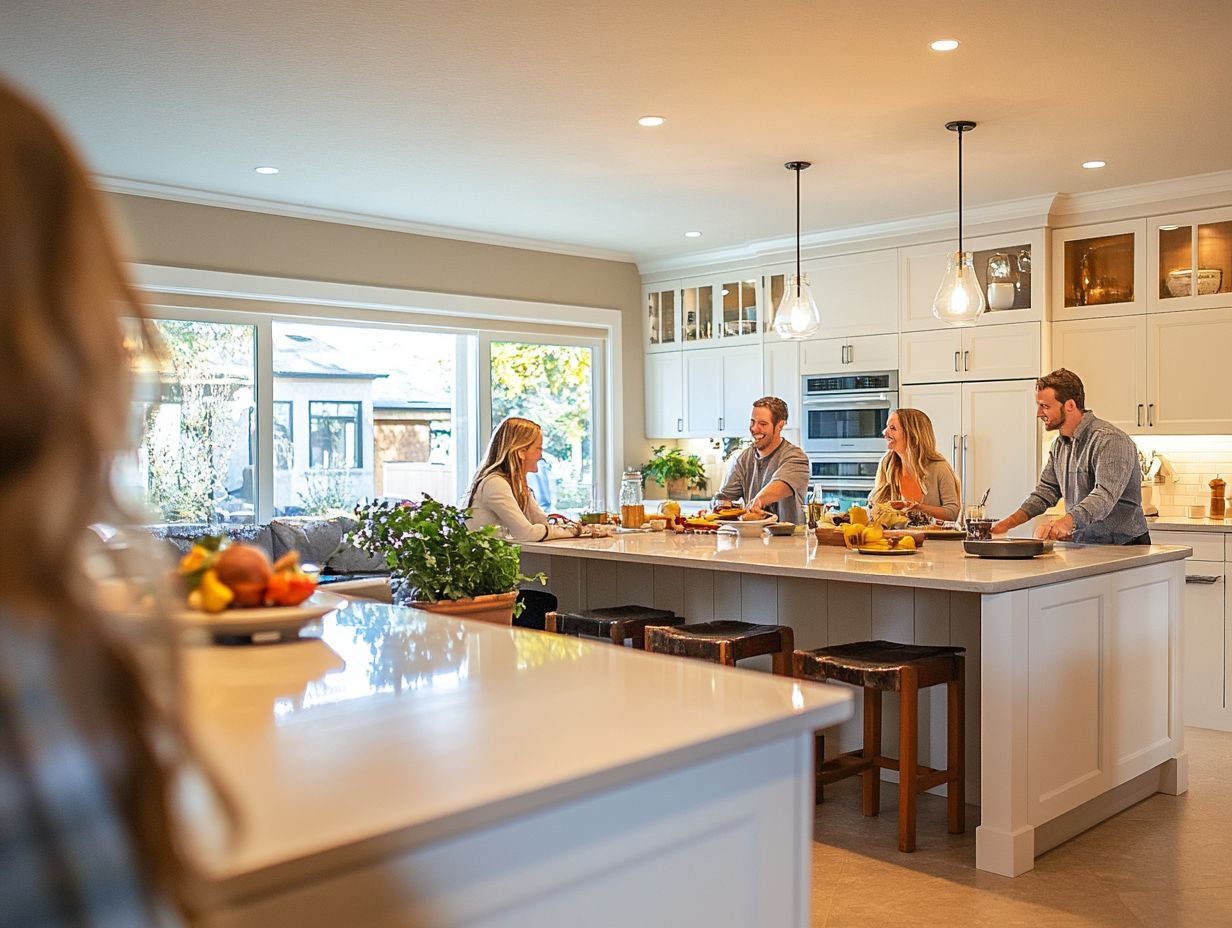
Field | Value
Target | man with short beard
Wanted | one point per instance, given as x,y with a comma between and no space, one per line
1092,464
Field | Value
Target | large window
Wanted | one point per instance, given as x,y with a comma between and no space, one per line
334,431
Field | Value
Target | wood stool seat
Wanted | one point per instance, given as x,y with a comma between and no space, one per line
617,623
725,642
887,666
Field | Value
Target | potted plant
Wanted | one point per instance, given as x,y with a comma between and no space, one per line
437,563
672,468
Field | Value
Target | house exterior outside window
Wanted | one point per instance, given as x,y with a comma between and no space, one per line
334,431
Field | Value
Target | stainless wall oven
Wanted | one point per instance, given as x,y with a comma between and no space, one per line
842,480
847,413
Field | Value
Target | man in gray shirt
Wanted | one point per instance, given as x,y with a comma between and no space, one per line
1093,464
773,475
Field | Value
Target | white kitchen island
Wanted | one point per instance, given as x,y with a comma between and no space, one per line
1073,696
413,770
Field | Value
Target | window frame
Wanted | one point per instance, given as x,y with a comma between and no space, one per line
357,420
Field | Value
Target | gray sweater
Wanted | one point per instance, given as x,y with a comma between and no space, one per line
750,474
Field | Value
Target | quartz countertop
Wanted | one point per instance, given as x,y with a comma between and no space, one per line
1186,524
399,727
937,564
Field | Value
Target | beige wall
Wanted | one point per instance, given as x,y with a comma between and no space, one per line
172,233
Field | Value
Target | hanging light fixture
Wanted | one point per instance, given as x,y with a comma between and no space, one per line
960,299
797,316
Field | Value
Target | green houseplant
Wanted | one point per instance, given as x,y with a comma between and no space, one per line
437,563
672,468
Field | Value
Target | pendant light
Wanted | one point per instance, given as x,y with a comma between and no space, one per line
960,299
797,316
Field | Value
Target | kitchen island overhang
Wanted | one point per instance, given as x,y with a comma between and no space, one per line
1073,708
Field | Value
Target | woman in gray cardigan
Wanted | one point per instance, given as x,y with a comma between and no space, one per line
913,476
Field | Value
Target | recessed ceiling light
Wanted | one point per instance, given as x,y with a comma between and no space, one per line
944,45
692,235
1168,228
1092,165
651,121
266,169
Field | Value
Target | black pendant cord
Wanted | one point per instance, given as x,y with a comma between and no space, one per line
960,173
797,233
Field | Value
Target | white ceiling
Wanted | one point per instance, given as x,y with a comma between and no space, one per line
518,118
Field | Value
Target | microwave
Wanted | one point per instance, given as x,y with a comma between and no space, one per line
846,413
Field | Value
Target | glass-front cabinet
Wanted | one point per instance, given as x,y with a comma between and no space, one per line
697,322
662,306
774,283
1099,270
741,303
1191,260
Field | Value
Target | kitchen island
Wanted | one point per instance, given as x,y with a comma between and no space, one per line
412,769
1073,696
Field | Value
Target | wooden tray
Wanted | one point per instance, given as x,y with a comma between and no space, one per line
834,536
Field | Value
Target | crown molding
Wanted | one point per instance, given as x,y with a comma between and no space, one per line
1033,210
141,188
1196,185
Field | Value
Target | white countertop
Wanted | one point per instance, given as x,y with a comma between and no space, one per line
1185,524
399,728
939,564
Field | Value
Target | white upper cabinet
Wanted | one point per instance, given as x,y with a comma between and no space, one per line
995,352
1099,270
699,324
856,294
849,355
665,395
1110,357
1010,270
1190,257
719,388
661,314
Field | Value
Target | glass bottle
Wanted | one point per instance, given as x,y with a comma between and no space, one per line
631,487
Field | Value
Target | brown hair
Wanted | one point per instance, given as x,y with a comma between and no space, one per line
504,457
922,451
1066,385
64,415
778,409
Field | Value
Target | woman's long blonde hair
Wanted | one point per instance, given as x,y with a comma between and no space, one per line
504,457
64,412
922,451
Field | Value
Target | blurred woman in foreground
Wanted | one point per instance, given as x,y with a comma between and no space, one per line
89,742
913,476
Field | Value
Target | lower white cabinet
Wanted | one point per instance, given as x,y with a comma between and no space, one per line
989,433
854,354
665,395
1206,645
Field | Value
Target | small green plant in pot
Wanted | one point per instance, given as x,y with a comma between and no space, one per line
672,468
437,563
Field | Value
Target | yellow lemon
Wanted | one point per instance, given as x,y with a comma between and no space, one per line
906,542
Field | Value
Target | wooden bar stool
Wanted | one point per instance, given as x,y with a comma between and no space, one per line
885,666
617,623
725,642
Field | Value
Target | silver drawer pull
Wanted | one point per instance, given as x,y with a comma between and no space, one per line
1202,578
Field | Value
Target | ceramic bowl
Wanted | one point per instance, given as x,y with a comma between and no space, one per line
781,528
1209,281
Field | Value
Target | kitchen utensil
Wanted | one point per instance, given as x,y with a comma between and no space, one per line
984,498
1217,487
1008,548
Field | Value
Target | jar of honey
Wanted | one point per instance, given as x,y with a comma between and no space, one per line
1217,501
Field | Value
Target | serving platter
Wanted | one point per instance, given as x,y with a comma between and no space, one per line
280,621
887,552
1009,548
751,527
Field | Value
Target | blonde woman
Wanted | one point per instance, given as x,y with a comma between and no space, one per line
913,476
91,741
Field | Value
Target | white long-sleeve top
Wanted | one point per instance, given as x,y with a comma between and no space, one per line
495,504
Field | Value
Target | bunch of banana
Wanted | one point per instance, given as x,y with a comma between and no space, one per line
887,516
873,536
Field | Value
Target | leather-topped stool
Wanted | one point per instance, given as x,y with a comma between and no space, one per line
617,623
725,642
885,666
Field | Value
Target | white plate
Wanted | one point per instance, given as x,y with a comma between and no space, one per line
285,621
752,527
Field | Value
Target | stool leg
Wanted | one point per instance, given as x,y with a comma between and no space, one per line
549,622
870,780
781,662
908,748
955,724
819,758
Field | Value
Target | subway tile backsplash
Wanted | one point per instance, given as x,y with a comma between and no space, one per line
1190,462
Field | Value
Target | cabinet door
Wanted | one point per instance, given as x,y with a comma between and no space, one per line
1001,352
872,353
857,294
1099,270
1000,443
942,403
661,303
933,356
1187,372
1110,357
699,327
740,301
920,270
664,395
1189,261
781,373
823,356
703,392
741,385
1204,645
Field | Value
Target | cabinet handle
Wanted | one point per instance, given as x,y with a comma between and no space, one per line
1150,415
964,462
1202,578
679,425
966,360
851,354
720,423
1139,415
956,354
954,450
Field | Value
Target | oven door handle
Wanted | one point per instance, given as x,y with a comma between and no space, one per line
880,400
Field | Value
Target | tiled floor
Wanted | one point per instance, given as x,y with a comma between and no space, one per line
1164,862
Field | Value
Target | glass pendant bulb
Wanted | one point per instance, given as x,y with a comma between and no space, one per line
960,299
797,315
